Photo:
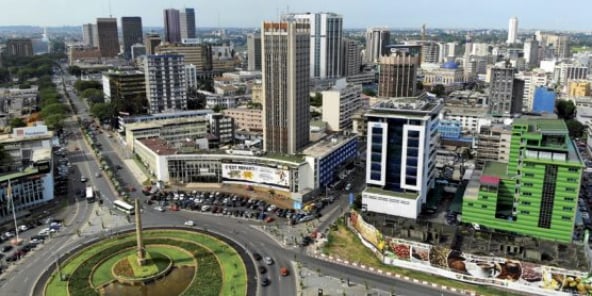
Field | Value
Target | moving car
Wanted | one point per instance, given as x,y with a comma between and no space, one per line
262,269
265,282
284,271
257,256
83,179
189,223
268,260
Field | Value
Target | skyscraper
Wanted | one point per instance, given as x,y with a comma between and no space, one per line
187,23
254,52
531,52
326,31
90,35
397,75
172,26
505,92
20,47
352,57
512,30
132,33
108,39
376,41
151,41
286,78
166,88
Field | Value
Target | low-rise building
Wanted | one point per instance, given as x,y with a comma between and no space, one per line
246,118
123,120
329,156
222,128
16,102
492,143
193,130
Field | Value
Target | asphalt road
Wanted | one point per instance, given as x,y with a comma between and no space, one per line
20,280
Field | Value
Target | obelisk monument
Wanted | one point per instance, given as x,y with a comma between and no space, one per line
140,244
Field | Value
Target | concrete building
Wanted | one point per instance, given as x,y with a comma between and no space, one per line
492,143
124,86
340,103
108,38
22,143
257,93
21,47
190,130
131,26
254,52
544,100
430,52
471,117
449,74
329,156
90,35
138,50
512,30
249,119
352,57
123,120
531,52
151,41
199,55
166,87
502,100
15,102
191,75
187,23
536,192
172,26
532,80
376,41
326,31
222,128
401,143
447,51
397,75
579,89
565,72
285,60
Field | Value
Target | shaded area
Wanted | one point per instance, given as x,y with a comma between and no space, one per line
173,284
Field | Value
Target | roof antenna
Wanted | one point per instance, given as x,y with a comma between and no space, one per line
110,14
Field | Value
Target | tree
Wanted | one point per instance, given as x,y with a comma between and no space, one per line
81,85
17,122
75,70
93,95
54,121
53,109
576,129
419,86
217,108
102,111
317,100
369,92
439,90
565,109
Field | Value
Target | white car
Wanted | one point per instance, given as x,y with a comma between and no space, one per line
189,223
82,179
159,209
23,228
268,260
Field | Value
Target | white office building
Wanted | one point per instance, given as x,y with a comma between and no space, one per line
340,103
166,86
512,30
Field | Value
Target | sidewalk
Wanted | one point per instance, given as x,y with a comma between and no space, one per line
101,220
135,170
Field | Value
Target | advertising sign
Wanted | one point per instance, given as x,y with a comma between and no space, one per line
366,230
256,174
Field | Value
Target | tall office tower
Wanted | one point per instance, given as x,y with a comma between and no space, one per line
286,78
562,49
187,23
512,30
430,52
90,35
531,52
254,52
502,97
132,33
536,192
352,57
326,31
447,51
172,26
400,169
19,47
166,88
151,41
108,39
397,75
376,41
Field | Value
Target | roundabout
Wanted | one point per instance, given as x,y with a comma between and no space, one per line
175,262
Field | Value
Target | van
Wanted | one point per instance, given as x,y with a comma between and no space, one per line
348,186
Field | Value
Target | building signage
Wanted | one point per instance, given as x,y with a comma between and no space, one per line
256,174
27,132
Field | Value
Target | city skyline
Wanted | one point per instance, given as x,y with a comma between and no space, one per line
230,13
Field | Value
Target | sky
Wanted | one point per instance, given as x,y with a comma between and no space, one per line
471,14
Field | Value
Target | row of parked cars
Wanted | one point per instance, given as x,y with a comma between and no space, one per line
230,205
15,250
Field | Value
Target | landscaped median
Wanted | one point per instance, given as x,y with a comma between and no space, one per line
215,267
345,245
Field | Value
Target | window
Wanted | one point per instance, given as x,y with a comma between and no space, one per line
484,206
575,170
572,180
527,185
526,193
568,199
470,204
529,175
525,212
565,218
567,208
570,189
526,203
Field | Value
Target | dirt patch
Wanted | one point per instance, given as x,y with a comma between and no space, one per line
124,268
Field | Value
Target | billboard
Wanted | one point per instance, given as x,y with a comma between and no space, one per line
256,174
367,230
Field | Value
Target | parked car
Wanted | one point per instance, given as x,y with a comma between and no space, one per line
83,179
189,223
284,271
159,209
268,260
265,282
262,269
257,256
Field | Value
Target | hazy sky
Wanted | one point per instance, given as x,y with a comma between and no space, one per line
532,14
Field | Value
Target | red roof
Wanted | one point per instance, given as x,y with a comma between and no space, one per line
489,180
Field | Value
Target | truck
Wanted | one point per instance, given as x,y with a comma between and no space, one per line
90,194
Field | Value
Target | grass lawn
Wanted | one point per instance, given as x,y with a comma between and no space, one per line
346,245
103,273
179,256
141,271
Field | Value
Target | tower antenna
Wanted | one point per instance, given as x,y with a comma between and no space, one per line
110,14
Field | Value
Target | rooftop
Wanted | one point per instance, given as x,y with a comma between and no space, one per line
163,122
377,190
495,169
159,146
15,175
420,105
327,144
542,125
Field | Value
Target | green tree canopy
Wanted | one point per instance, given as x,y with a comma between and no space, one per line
369,92
565,109
75,70
316,100
17,122
439,90
93,95
102,111
81,85
54,121
576,129
53,109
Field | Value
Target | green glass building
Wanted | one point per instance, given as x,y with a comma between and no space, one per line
536,192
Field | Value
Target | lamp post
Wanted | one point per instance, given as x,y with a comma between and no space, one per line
10,196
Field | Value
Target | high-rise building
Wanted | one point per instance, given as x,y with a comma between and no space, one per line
340,103
397,75
326,31
138,50
151,41
501,91
376,41
131,26
108,39
430,52
124,87
536,192
402,135
579,89
286,78
90,35
531,52
199,55
532,80
187,23
254,52
21,47
166,87
172,26
352,57
512,30
447,51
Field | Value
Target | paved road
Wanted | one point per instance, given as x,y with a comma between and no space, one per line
20,279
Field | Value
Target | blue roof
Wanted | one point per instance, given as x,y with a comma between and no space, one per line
449,65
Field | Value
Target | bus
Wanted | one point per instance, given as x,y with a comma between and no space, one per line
90,194
123,206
